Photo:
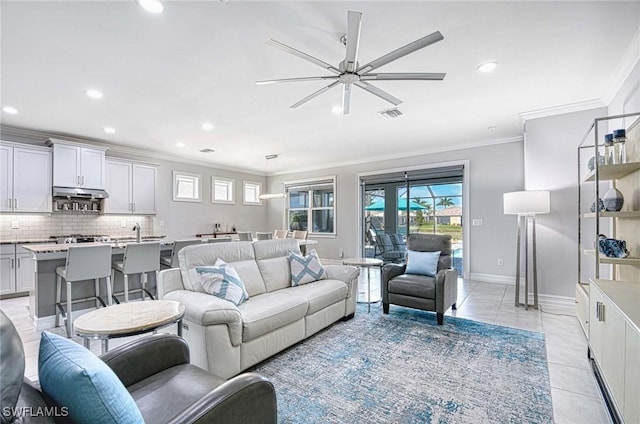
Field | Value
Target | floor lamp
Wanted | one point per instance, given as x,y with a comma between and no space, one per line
526,204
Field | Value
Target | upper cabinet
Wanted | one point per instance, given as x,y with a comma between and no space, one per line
131,187
25,178
77,165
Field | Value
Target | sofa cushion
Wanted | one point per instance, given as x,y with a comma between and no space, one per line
320,294
223,281
77,379
305,269
238,254
267,312
413,285
422,263
271,256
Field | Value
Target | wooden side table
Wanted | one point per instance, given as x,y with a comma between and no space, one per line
128,319
365,263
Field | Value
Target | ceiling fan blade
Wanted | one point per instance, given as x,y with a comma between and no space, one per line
315,94
354,24
378,92
402,51
278,81
405,76
303,55
346,99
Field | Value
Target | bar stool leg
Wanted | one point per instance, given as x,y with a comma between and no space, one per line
58,297
96,282
69,318
126,287
143,284
109,290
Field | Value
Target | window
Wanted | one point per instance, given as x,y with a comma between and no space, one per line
222,190
251,192
186,187
311,206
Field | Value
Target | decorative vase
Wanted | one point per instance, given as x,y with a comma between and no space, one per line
591,164
613,200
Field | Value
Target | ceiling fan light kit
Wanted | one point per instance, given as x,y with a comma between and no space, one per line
350,73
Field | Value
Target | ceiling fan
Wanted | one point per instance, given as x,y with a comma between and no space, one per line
349,72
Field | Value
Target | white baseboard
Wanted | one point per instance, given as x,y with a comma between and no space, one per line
552,300
491,278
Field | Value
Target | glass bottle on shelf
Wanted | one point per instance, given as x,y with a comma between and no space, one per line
608,149
619,139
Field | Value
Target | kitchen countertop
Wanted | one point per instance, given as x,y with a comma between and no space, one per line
55,248
52,240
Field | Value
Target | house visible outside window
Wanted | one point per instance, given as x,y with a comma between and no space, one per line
186,187
222,190
251,191
311,206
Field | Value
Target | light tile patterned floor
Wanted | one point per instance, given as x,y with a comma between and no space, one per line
575,395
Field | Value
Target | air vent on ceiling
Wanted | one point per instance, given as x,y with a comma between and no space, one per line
207,150
391,113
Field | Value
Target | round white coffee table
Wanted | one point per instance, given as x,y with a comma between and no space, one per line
128,319
366,263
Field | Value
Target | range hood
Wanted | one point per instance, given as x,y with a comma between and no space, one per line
79,193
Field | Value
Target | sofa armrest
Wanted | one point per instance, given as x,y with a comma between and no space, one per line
446,283
346,273
146,356
168,281
248,398
390,271
206,309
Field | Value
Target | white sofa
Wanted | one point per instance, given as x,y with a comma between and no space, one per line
226,339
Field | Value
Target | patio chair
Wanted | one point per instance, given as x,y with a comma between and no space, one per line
386,249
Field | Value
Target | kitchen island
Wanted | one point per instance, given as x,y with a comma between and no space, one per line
49,256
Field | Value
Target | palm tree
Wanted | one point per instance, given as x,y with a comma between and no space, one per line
446,202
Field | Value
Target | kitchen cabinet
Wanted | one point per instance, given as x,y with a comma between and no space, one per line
131,187
17,270
77,165
25,178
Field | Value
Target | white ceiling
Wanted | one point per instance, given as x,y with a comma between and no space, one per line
163,75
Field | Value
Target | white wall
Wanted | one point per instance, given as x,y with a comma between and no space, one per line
493,170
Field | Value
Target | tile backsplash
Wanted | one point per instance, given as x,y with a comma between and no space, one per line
31,227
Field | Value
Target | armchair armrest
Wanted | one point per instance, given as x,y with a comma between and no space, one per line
146,356
248,398
390,271
446,283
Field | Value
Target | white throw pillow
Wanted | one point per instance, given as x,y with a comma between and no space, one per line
223,281
305,269
422,263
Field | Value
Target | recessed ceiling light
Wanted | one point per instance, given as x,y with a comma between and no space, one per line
152,6
487,67
180,144
94,94
207,126
109,130
336,109
491,128
10,110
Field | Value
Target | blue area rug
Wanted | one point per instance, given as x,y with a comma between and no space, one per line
403,368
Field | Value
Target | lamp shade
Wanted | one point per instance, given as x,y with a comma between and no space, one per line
527,202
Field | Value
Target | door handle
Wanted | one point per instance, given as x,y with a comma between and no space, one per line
78,179
15,204
18,262
12,263
10,204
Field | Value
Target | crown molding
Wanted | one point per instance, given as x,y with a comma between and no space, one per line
35,135
559,110
402,155
623,70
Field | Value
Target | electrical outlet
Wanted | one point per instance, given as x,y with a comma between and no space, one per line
341,253
161,224
476,222
500,262
123,224
15,225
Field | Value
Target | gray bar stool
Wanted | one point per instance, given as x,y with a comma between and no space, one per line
245,236
83,263
139,258
263,236
172,261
